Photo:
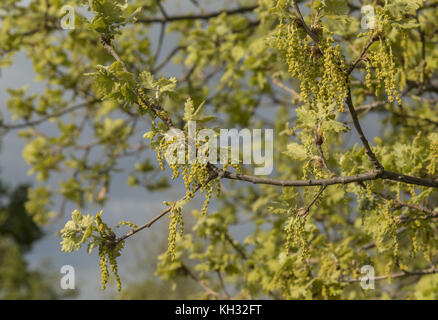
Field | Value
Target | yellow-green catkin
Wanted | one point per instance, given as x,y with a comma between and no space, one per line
333,85
431,168
382,61
196,175
114,269
388,269
127,223
320,68
142,98
390,227
176,226
208,193
295,235
161,151
109,250
103,265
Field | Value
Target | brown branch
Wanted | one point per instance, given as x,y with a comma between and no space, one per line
167,59
303,212
205,16
434,215
156,109
160,42
414,117
163,12
236,246
425,182
242,253
378,104
319,140
430,213
47,117
362,137
163,212
362,54
372,175
162,31
305,26
372,244
222,284
399,274
280,84
107,45
202,283
367,107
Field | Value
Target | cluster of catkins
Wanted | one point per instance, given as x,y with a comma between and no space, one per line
382,61
320,67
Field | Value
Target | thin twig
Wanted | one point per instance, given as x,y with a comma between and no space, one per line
303,212
205,16
107,45
160,42
373,244
162,213
47,117
400,274
201,282
280,84
305,26
167,59
360,57
362,137
224,289
372,175
236,246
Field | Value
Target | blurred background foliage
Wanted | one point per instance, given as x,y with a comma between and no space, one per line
255,66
